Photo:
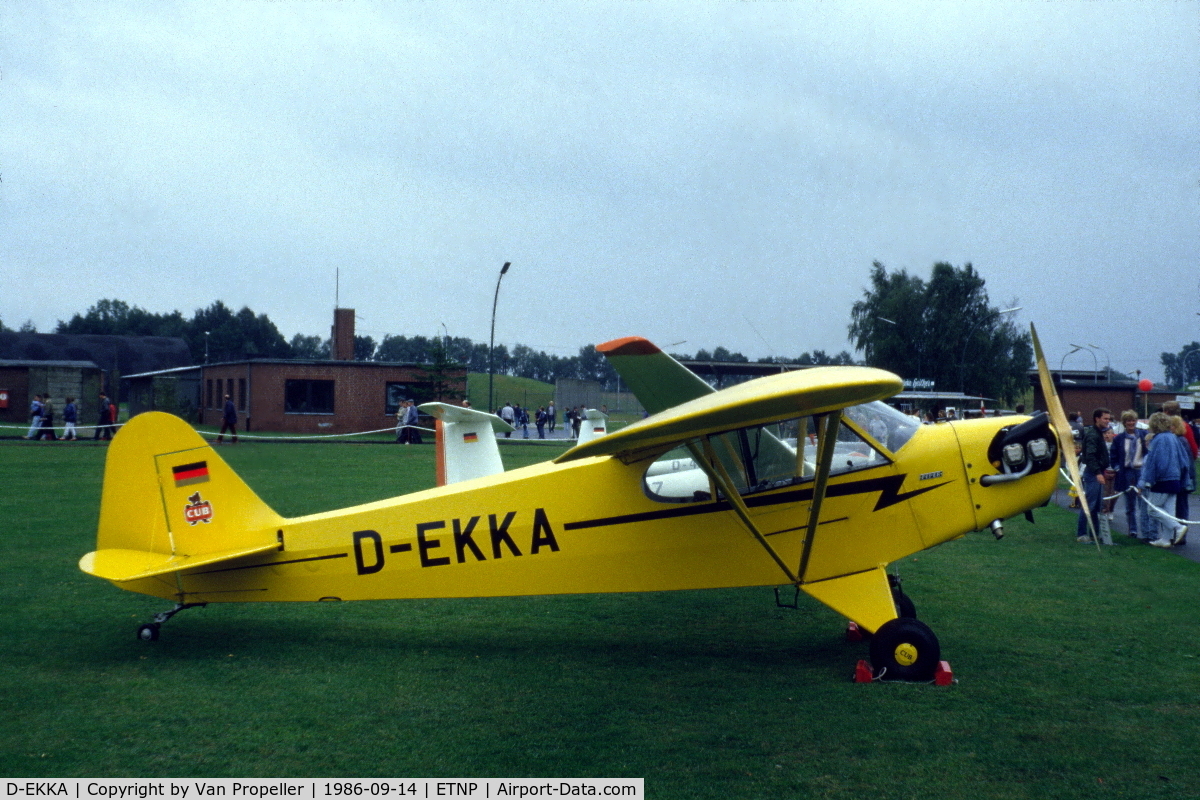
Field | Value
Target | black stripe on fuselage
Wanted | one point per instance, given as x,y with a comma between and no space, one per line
888,487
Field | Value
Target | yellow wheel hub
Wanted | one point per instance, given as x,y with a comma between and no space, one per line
906,654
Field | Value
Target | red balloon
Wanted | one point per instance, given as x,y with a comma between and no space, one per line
1145,384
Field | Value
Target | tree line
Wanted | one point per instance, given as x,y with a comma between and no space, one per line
218,333
943,333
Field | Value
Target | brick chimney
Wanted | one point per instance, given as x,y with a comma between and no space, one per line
341,345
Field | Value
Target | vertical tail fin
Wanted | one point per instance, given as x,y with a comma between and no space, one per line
466,442
658,381
594,425
170,502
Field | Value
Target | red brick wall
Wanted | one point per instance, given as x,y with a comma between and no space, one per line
359,393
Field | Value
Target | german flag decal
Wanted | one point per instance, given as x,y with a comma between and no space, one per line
470,437
187,474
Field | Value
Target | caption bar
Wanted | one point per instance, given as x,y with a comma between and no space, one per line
341,789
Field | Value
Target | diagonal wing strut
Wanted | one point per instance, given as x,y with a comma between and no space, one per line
712,466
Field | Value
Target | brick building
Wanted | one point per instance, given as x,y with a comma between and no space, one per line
308,397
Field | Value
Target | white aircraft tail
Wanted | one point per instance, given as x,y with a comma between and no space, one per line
466,442
593,425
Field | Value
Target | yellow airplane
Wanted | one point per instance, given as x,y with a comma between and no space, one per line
800,478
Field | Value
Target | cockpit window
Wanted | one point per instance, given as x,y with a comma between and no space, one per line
758,459
884,424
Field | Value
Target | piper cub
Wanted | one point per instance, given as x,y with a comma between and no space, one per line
802,478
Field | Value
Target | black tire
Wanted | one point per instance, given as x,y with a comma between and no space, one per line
148,632
905,649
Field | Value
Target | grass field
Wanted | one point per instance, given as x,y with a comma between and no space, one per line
1079,672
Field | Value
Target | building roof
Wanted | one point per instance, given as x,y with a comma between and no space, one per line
319,362
40,363
125,354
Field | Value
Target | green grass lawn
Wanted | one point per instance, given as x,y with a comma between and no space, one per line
1079,672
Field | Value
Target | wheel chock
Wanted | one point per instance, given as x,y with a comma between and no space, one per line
853,632
862,671
943,676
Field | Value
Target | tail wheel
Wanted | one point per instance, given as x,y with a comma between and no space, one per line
148,632
905,649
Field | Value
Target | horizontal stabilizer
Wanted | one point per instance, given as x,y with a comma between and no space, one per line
448,413
132,565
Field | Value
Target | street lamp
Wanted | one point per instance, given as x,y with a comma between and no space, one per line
1183,382
492,340
1095,363
1107,362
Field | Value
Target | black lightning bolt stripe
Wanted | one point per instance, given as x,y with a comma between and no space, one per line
888,487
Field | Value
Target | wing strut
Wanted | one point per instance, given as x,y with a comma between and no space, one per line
716,471
827,438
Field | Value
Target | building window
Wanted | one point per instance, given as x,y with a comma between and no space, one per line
208,392
308,397
241,394
419,391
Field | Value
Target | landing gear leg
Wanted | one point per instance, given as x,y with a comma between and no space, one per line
904,604
148,632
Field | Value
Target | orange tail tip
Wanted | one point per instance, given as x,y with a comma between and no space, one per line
628,346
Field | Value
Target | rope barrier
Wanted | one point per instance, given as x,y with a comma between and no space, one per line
213,434
1153,509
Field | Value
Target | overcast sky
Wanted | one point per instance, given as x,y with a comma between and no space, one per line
696,173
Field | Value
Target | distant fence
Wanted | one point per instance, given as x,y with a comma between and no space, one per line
589,394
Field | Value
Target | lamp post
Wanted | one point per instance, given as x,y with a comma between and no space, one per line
1107,362
1183,381
1095,362
492,339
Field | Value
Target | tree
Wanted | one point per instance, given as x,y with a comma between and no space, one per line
309,347
1182,368
118,318
943,331
226,336
364,348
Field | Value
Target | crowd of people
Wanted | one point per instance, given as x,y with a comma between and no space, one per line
42,422
1153,468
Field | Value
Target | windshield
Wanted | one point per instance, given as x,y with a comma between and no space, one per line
886,425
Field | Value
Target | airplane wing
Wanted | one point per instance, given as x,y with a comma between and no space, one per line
758,402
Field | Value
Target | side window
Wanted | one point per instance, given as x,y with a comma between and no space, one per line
756,459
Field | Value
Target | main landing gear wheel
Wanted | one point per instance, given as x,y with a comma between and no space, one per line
905,649
148,632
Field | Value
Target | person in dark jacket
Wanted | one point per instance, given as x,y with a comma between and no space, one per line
1093,461
228,421
103,419
1125,458
70,417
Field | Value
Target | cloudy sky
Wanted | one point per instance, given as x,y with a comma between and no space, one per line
699,173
